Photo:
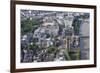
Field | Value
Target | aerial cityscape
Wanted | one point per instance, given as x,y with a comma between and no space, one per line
54,36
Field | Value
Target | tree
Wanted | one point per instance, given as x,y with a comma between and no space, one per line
51,49
33,46
28,25
76,25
